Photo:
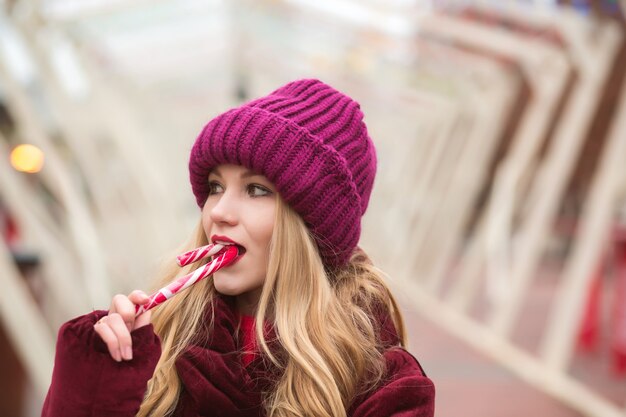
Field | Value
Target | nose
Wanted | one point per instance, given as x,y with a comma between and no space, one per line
224,210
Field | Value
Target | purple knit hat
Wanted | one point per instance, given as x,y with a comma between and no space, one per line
310,141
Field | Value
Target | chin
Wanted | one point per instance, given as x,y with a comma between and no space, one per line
230,285
226,289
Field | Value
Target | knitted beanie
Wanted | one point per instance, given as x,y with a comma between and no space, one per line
310,141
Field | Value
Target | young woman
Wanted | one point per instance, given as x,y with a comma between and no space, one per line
302,324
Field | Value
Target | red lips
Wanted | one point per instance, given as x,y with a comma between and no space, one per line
226,239
219,238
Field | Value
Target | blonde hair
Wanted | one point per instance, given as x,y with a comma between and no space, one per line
326,323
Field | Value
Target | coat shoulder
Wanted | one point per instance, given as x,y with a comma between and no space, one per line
405,391
400,362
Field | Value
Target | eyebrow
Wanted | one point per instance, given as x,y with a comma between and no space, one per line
246,174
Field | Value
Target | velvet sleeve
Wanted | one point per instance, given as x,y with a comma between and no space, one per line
405,392
87,382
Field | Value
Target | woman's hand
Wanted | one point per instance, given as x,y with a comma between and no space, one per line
115,328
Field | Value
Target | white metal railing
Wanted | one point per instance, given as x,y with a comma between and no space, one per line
445,296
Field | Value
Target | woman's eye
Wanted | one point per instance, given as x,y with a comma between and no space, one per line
215,187
256,190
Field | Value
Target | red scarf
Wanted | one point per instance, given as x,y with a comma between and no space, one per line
248,338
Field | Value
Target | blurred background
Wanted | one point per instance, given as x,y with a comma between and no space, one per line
499,210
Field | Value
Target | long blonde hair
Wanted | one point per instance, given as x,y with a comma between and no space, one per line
326,323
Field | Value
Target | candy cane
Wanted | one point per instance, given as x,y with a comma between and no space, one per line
224,259
199,253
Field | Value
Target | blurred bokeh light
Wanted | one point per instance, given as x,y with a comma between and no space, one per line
27,158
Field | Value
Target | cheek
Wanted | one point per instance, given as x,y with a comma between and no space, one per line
259,222
264,229
206,220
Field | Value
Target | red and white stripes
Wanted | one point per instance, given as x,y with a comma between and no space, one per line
224,258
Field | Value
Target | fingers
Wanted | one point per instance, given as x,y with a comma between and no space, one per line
115,328
123,306
108,337
122,333
143,319
140,298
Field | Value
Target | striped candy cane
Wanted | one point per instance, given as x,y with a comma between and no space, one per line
224,259
199,253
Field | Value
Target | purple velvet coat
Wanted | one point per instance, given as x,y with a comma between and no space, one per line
87,382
